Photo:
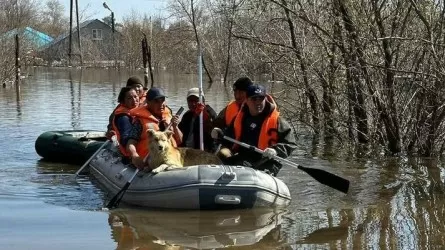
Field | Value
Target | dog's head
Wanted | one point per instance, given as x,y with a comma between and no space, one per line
159,141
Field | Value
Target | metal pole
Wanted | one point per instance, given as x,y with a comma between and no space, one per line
201,115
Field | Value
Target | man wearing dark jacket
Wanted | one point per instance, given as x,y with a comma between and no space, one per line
259,124
189,124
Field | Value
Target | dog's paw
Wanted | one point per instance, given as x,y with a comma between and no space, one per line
159,169
172,167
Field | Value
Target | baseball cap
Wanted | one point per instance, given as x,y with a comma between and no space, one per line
193,92
155,93
256,90
242,83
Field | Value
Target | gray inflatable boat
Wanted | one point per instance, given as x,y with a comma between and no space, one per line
193,187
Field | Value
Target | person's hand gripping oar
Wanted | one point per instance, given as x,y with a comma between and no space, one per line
322,176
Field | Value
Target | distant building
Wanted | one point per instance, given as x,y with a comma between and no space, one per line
30,38
31,42
99,46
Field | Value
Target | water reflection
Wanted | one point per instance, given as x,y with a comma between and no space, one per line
135,229
75,105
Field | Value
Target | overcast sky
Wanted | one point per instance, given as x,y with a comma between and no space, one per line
120,8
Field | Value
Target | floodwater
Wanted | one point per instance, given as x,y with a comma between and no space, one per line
393,203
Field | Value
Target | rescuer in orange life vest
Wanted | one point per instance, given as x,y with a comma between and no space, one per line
135,83
226,116
121,119
258,124
155,115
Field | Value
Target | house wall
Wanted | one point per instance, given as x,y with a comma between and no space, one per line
93,50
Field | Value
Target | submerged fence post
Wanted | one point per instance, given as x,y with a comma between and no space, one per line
17,66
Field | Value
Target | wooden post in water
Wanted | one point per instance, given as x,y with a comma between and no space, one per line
78,33
70,38
145,60
17,66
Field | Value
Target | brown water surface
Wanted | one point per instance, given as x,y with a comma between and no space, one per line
393,203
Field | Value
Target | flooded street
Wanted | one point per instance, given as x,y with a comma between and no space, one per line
393,203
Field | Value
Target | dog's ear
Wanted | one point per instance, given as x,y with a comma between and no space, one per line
150,132
169,134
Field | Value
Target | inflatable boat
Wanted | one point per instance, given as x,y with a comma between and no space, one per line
136,229
193,187
71,146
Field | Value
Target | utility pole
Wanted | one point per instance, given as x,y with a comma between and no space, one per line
70,46
78,33
113,30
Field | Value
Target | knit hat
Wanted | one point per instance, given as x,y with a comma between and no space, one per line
134,80
242,83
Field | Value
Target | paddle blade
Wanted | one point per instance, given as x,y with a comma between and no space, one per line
328,179
117,198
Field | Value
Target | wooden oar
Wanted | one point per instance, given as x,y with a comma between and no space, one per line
114,202
86,164
322,176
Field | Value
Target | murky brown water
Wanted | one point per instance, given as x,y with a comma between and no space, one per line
394,203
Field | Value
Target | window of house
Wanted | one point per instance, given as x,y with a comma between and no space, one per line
97,34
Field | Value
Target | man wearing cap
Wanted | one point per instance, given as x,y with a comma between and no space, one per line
226,116
189,124
259,124
155,115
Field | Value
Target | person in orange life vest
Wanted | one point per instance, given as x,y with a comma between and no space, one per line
226,116
259,124
155,115
132,82
189,124
136,83
122,121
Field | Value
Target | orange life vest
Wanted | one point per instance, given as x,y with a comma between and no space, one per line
269,128
120,109
232,110
142,99
148,121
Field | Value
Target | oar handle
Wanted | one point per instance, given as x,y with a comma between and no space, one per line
244,145
133,176
320,175
89,160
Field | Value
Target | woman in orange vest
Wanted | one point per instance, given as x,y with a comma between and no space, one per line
155,115
136,83
122,122
259,123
